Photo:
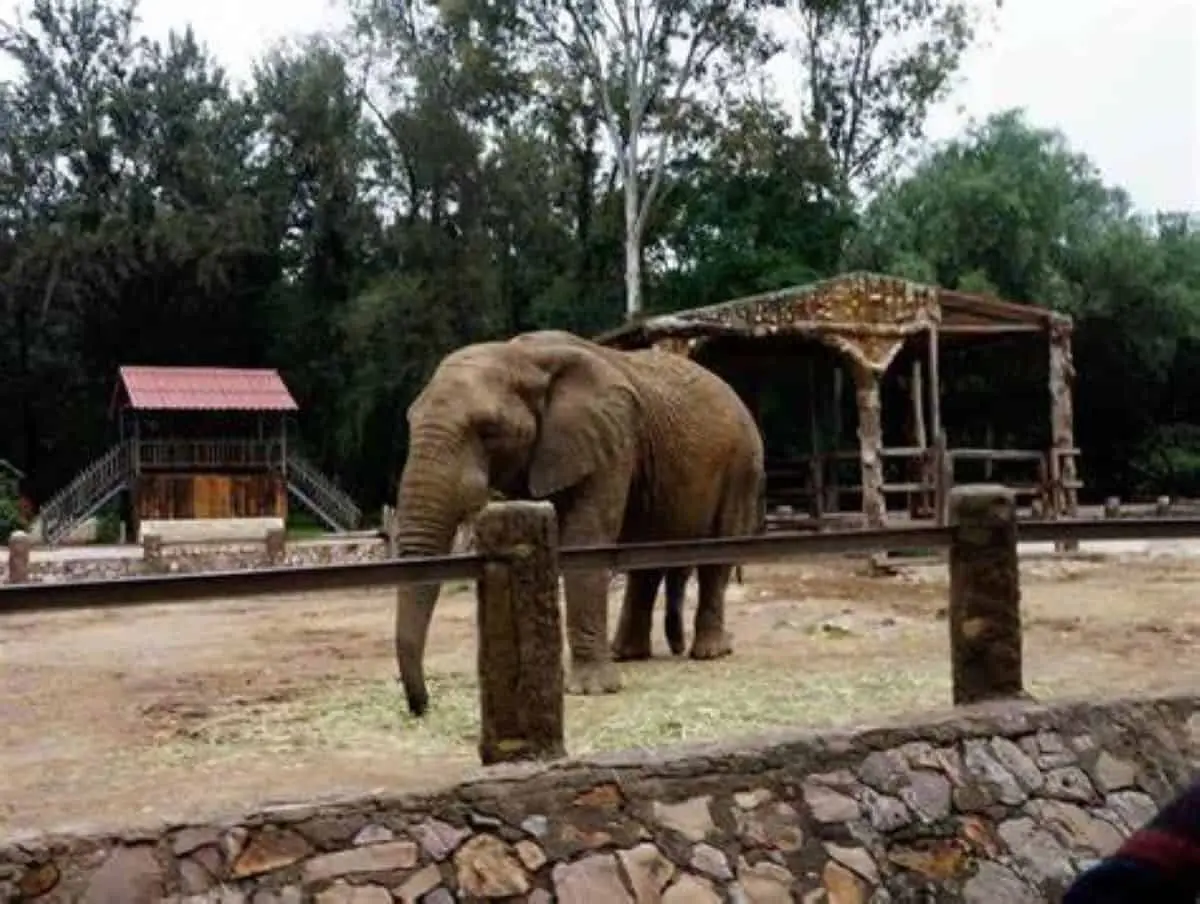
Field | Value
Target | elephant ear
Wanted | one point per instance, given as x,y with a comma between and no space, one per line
587,418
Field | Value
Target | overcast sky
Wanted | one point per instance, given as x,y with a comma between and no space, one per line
1120,77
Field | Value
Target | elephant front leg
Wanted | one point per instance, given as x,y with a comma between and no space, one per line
594,518
637,615
592,669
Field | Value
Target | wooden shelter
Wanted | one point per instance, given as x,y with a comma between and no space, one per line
863,323
205,443
202,453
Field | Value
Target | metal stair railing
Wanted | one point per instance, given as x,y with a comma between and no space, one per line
86,493
327,500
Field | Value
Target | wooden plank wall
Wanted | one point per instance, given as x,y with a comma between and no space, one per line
184,496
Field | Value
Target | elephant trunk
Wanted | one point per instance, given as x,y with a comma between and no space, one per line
429,510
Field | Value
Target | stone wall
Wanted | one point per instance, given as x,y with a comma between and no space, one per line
102,563
991,804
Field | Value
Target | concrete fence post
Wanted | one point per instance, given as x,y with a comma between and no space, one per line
152,552
985,595
276,545
1112,507
19,544
520,634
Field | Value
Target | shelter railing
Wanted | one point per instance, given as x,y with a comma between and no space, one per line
179,454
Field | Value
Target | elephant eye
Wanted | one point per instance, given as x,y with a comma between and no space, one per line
489,429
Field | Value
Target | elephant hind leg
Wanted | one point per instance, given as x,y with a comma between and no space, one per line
673,616
712,640
637,615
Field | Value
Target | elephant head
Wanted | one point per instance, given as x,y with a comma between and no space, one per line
529,418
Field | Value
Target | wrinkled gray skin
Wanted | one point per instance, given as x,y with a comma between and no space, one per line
628,446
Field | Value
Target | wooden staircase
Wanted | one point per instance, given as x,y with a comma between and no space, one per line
321,496
86,494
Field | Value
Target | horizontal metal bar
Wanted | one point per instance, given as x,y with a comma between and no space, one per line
184,588
1090,531
166,589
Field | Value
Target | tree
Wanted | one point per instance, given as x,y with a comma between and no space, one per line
873,70
645,63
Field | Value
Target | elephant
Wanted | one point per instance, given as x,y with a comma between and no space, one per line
629,446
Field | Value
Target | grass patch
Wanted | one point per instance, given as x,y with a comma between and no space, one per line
663,702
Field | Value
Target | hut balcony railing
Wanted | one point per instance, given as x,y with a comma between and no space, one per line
182,454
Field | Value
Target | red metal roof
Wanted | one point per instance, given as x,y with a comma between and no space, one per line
206,388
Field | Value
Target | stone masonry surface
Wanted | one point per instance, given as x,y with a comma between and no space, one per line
194,558
994,804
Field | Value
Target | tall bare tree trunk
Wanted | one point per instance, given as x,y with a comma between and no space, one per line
633,234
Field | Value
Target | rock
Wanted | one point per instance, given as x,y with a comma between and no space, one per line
940,859
1047,749
422,882
1069,783
688,890
856,859
1036,851
842,886
605,797
1075,827
438,896
130,875
592,879
373,834
765,883
829,806
994,884
232,842
342,893
1021,766
990,777
711,862
980,835
749,800
439,839
775,826
194,878
537,896
1112,774
269,850
289,894
648,871
222,894
886,814
38,880
884,770
372,858
927,795
537,826
692,818
487,868
531,855
188,840
1135,808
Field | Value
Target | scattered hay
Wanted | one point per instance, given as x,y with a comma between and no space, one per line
663,702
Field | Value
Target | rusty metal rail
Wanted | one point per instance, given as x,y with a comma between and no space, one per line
164,589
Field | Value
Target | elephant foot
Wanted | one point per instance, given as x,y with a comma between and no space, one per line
628,651
593,678
712,646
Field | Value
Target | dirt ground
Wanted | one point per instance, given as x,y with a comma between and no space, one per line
181,711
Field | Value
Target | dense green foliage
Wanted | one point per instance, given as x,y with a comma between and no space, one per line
446,173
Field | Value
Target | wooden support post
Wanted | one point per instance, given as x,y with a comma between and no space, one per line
152,548
276,546
19,545
816,463
870,445
833,496
520,634
935,384
918,503
1063,473
1112,507
985,595
943,476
